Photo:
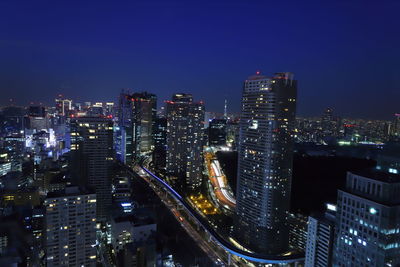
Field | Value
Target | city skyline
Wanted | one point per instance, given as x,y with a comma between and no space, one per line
199,133
198,47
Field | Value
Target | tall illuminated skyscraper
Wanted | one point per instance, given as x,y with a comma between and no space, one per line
185,120
135,125
144,111
123,130
265,162
92,157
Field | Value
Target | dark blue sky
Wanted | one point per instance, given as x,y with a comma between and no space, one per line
345,54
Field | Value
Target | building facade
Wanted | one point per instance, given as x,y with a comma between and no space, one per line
320,240
144,112
92,158
160,143
265,162
185,120
123,130
368,220
217,132
70,228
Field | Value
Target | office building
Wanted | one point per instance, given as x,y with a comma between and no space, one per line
92,158
328,123
160,143
265,162
185,120
217,132
70,228
135,125
144,111
368,220
297,231
320,238
123,129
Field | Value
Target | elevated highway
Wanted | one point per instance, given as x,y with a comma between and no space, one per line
288,259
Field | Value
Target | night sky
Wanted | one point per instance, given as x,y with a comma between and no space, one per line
345,54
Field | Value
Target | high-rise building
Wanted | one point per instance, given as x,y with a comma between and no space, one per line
265,162
328,123
185,120
160,143
217,132
92,158
70,228
63,106
368,220
320,238
123,130
135,125
144,112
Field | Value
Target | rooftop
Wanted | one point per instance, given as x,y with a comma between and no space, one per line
379,176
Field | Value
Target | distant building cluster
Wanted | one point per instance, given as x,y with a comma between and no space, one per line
330,129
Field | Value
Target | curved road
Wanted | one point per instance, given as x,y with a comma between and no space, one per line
255,257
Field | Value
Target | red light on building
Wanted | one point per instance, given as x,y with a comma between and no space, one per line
258,72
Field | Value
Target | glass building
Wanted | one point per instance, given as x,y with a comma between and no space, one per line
265,162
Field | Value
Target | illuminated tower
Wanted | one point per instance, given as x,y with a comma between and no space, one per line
144,111
123,130
265,162
92,157
185,120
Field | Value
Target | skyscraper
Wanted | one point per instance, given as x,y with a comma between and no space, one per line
368,220
160,143
135,125
320,238
328,123
144,111
185,120
70,228
92,158
265,162
123,129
